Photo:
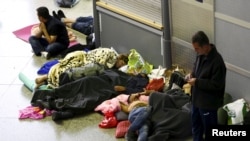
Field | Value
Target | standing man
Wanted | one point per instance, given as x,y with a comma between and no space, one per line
208,80
53,37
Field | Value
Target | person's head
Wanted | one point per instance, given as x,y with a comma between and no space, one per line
43,13
122,60
201,43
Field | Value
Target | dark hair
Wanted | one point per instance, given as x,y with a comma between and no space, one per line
43,12
201,38
124,57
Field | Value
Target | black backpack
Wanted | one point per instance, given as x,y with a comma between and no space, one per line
67,3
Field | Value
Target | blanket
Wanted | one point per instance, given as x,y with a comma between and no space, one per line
103,56
85,94
169,117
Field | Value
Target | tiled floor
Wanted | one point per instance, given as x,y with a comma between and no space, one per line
15,57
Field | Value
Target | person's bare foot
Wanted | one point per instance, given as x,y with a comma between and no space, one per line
39,84
119,88
41,79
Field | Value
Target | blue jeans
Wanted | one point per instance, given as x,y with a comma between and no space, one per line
201,120
84,25
138,119
40,44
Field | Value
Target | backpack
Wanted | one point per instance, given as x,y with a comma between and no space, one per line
67,3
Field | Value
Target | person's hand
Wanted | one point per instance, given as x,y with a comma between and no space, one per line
191,81
147,92
187,77
133,97
119,88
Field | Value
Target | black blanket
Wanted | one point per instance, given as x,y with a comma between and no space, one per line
170,117
83,95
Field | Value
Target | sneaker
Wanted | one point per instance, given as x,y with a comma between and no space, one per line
61,14
55,15
46,55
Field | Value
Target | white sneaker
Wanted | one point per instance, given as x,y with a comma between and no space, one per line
44,54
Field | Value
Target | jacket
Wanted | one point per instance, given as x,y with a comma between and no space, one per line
210,74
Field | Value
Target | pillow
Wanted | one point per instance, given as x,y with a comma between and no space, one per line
114,50
124,68
122,128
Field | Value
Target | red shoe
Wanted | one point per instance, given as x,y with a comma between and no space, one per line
109,121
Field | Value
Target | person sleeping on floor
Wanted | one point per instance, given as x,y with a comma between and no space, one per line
106,57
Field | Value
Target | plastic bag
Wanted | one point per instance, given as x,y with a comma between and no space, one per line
156,84
136,63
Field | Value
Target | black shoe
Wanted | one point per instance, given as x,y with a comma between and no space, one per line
48,56
61,14
55,15
59,115
43,104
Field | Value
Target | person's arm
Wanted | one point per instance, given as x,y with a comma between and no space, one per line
36,31
48,37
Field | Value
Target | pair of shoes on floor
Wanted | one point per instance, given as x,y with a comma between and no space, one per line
59,15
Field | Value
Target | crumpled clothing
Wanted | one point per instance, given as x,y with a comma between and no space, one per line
46,67
109,121
112,105
34,113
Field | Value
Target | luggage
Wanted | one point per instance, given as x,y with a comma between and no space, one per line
67,3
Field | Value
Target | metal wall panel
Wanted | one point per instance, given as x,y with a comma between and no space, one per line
189,16
233,42
148,9
124,35
234,8
232,28
183,57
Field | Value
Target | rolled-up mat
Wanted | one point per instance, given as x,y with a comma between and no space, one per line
30,84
